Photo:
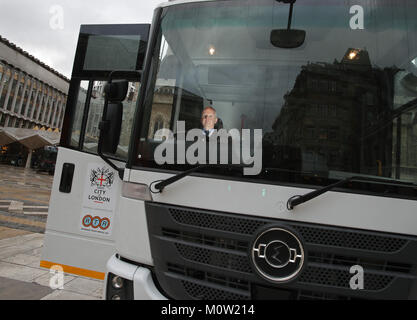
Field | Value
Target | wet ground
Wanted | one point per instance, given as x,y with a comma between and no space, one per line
24,198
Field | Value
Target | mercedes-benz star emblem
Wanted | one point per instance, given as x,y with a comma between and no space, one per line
278,255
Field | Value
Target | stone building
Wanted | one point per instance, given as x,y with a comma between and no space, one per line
339,117
32,100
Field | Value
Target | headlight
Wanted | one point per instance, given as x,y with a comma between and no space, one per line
118,288
136,191
117,282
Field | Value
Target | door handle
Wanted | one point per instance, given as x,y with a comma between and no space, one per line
66,178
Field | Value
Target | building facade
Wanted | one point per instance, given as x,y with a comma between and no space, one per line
33,98
341,117
31,93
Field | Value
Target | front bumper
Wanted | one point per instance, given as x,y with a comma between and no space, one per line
143,285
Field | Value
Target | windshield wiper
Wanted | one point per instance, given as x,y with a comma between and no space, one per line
280,170
297,200
162,184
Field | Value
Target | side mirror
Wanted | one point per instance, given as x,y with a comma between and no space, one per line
116,91
288,38
111,127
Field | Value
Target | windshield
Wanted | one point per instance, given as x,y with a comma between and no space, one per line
341,104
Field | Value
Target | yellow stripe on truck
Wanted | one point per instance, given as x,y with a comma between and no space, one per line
74,270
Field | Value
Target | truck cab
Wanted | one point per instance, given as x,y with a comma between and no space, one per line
331,90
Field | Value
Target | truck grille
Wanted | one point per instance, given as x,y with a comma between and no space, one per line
201,254
336,238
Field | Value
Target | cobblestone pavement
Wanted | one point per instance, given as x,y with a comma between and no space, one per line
21,277
24,198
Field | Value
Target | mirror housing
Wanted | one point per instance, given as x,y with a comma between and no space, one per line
116,91
111,127
288,38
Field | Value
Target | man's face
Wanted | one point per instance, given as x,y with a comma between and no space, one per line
208,119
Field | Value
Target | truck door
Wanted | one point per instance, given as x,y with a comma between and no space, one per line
80,228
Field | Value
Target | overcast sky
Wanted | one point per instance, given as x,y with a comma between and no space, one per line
36,25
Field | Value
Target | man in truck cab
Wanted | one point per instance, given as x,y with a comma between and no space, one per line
209,120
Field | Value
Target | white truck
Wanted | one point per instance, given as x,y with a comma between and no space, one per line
332,214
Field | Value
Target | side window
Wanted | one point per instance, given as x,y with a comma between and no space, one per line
95,104
129,107
102,49
79,112
95,113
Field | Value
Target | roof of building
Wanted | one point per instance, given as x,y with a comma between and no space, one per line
32,139
37,61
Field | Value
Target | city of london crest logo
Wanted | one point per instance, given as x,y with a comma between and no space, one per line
101,178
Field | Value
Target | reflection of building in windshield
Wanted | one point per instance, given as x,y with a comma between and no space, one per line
161,111
405,145
333,115
188,106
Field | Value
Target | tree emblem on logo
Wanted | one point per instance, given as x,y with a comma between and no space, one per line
102,178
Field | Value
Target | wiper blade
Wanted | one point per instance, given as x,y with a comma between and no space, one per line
297,200
296,172
285,170
162,184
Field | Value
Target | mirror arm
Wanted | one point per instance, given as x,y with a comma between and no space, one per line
290,16
291,2
125,74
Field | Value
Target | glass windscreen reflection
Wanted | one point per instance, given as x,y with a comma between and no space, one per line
342,104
